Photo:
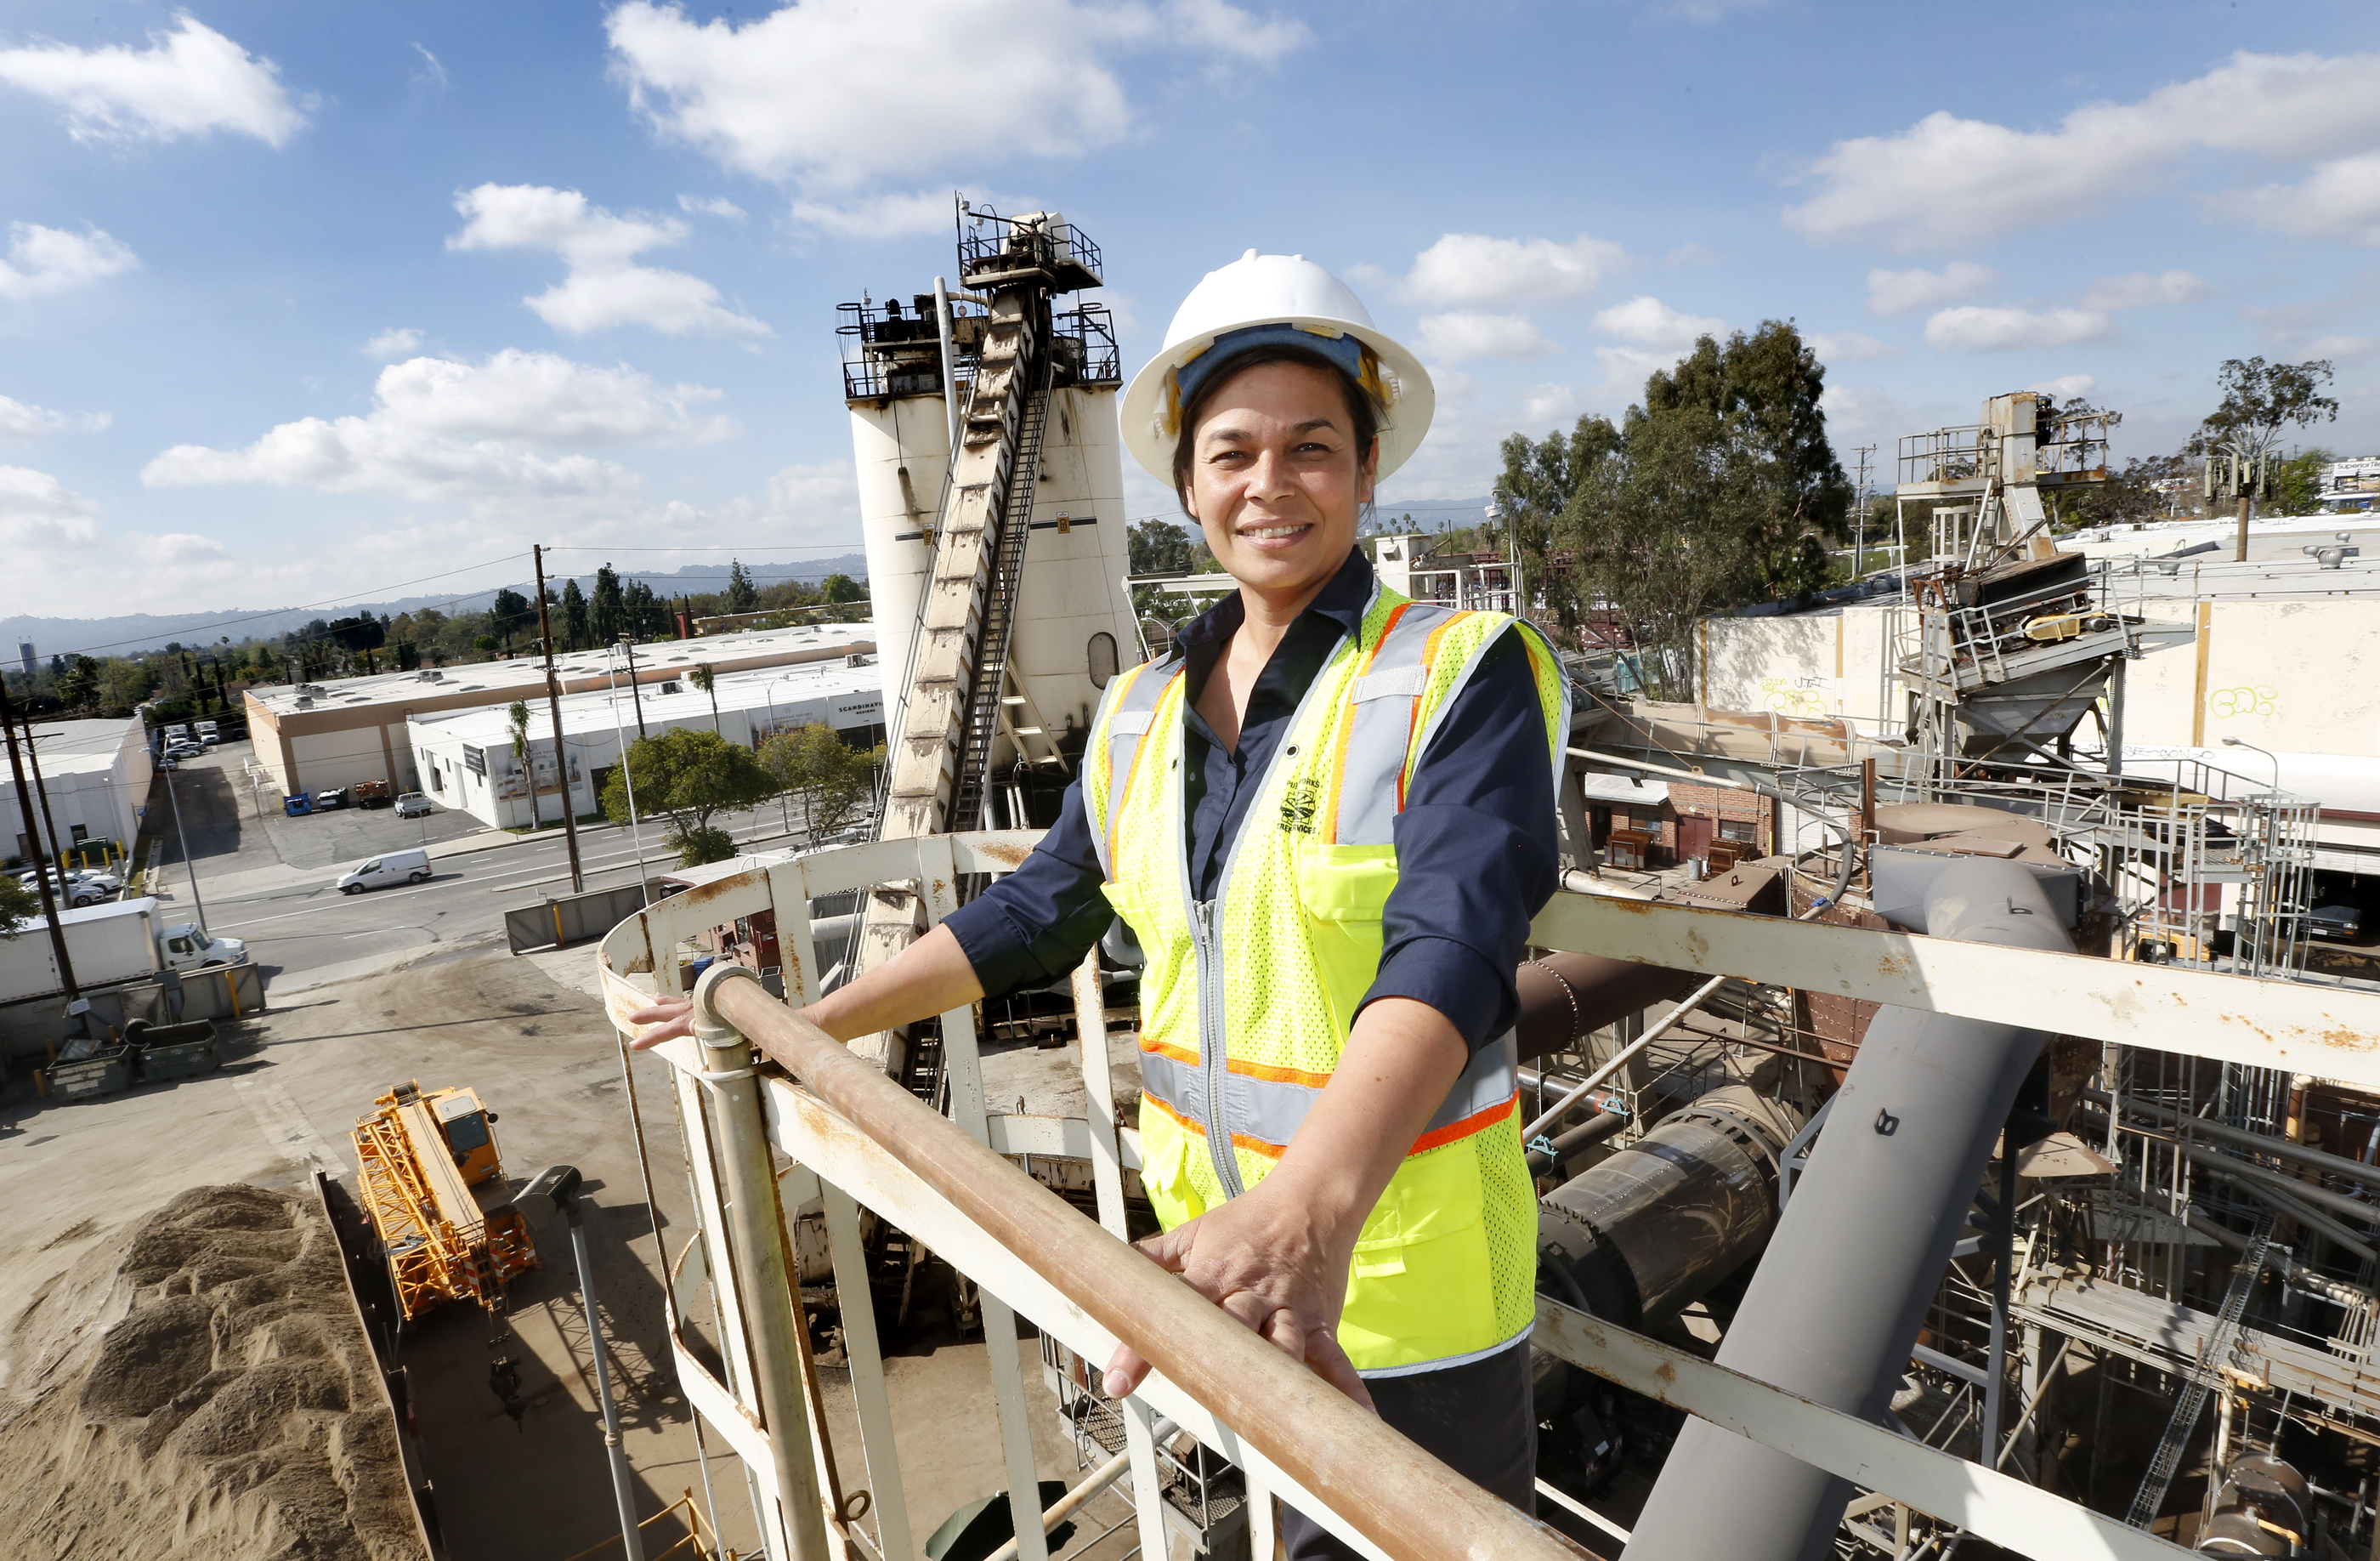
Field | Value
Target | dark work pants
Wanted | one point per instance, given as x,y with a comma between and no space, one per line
1477,1419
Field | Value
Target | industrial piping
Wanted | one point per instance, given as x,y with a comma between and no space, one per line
1835,1307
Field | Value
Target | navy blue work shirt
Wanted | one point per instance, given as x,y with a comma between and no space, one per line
1477,847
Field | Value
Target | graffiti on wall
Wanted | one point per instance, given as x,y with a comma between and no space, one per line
1798,698
2261,700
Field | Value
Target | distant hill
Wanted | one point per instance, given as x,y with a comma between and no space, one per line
144,631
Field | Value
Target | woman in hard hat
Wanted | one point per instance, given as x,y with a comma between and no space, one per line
1327,815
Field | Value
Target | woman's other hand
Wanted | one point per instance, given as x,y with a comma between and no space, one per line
1264,1260
675,1016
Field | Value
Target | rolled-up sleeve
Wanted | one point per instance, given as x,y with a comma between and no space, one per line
1477,852
1034,926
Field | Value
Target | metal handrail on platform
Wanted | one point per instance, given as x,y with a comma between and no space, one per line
859,1140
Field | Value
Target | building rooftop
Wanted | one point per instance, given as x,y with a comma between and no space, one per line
759,689
78,747
519,676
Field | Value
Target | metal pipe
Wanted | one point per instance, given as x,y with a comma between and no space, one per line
1553,1112
950,381
756,1244
2223,1132
1859,1251
1402,1500
1099,1479
631,1538
1578,1137
1566,997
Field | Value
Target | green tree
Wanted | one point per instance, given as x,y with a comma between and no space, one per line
2259,400
742,595
841,590
573,616
18,905
2298,489
517,723
511,613
687,777
486,645
833,779
705,678
606,613
1537,485
79,686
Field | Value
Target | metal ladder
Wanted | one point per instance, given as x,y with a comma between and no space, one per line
990,681
2212,1353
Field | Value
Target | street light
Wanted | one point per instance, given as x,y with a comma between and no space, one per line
2237,742
556,1190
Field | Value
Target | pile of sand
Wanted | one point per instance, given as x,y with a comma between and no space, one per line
197,1386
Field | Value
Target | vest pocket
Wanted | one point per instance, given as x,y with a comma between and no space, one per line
1419,1286
1342,890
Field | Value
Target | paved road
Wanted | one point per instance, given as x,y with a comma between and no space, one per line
271,879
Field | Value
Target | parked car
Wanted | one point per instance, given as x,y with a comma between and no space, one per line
415,805
80,887
185,750
389,867
371,794
2335,922
335,797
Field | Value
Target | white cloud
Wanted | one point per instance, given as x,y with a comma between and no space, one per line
395,342
39,512
49,260
883,215
2142,288
1970,328
711,205
22,420
1704,13
2341,200
2065,387
1648,322
190,81
1472,268
783,97
606,286
1466,335
515,426
431,74
1900,292
1849,346
1948,181
180,548
2340,349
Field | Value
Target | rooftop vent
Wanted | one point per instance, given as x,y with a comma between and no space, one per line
855,659
305,701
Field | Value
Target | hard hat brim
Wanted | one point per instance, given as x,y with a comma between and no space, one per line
1402,425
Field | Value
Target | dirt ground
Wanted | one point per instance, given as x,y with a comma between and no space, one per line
77,1179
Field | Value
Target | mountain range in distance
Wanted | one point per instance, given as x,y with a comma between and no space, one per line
148,632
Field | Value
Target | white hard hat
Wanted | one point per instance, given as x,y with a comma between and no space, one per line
1280,290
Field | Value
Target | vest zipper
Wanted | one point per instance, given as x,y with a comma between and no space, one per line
1214,1064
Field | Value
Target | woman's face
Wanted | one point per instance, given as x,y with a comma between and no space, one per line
1276,481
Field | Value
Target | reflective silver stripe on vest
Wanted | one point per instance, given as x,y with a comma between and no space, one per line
1381,728
1272,1110
1127,726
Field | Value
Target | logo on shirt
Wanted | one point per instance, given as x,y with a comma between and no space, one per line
1299,803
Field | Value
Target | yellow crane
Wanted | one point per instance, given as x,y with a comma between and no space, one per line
419,1156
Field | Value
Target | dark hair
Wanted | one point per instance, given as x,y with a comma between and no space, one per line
1362,410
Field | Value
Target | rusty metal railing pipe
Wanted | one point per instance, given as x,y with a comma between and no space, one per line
1408,1502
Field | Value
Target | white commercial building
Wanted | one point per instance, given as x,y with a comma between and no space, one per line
466,759
95,775
311,736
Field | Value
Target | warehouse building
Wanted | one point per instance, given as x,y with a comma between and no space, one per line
95,776
465,759
311,736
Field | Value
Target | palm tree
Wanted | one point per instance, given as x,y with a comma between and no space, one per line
703,677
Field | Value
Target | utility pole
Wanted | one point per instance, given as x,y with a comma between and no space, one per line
635,693
33,838
188,867
42,789
1859,507
554,705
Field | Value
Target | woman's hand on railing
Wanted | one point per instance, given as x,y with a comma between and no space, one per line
674,1015
1264,1260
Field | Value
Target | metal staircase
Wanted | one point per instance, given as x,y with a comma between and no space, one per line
989,682
2212,1358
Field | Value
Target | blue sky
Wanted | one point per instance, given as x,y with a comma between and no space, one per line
299,302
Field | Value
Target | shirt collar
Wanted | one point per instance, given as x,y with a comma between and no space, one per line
1342,602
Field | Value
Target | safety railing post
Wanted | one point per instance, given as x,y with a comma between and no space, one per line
756,1247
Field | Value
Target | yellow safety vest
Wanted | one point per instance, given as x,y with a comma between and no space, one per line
1247,1000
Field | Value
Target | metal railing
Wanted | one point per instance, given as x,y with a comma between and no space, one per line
859,1140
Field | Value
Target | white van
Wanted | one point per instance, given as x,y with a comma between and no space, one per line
389,867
